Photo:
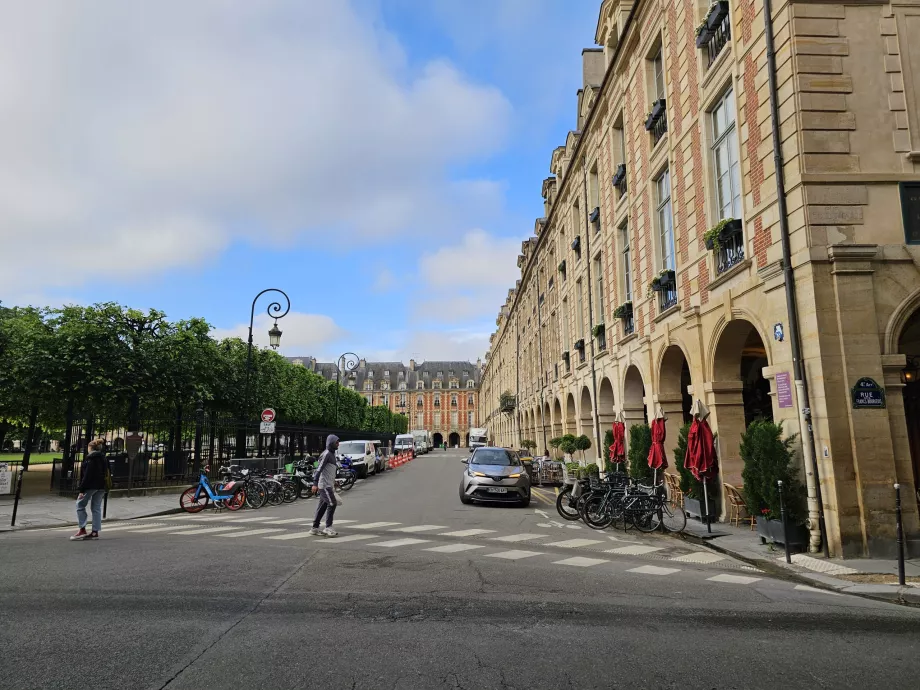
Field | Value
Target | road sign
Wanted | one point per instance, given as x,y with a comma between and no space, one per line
267,428
268,415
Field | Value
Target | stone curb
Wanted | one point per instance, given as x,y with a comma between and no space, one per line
7,528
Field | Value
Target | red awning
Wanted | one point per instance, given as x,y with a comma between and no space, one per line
657,459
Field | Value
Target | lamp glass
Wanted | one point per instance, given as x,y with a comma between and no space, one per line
274,336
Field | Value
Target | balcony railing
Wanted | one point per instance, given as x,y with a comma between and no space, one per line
731,253
667,298
715,32
657,120
629,324
619,179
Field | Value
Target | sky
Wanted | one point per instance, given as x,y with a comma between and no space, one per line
378,160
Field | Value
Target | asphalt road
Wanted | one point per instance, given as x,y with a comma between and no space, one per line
422,592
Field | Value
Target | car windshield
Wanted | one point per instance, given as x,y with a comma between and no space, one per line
351,448
494,456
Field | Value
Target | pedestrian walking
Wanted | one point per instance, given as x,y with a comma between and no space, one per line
324,485
93,473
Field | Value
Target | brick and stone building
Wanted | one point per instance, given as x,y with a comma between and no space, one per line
441,397
626,306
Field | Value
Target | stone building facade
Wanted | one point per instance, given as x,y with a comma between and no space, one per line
625,305
440,397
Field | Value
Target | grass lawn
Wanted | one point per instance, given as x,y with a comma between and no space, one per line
36,459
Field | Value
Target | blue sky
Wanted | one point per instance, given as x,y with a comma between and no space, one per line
379,160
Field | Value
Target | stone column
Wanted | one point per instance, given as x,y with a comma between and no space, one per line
726,406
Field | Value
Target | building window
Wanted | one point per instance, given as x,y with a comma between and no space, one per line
384,385
386,400
437,400
402,400
419,401
437,420
370,374
368,386
625,262
579,310
440,374
725,157
658,74
370,399
420,420
402,386
454,384
386,373
469,419
454,419
471,384
566,342
469,399
665,222
450,372
453,400
420,385
598,290
437,384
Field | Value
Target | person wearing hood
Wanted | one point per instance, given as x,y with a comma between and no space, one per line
324,485
92,490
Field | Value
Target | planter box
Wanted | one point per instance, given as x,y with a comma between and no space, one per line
716,15
579,344
703,38
772,531
657,111
619,175
732,228
710,244
694,508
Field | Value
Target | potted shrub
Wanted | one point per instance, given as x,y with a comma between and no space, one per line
640,442
769,458
554,443
721,232
694,498
655,114
583,443
561,267
599,330
624,311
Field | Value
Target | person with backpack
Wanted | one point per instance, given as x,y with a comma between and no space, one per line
95,478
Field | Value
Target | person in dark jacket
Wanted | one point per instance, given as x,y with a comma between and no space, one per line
92,490
324,485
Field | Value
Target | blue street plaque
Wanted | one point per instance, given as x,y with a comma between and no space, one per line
868,394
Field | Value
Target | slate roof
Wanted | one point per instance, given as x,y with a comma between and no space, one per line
427,372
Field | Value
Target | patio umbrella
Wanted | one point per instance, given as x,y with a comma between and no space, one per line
657,459
618,449
701,456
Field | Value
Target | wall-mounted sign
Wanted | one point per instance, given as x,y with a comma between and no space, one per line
784,389
868,394
778,332
910,210
6,479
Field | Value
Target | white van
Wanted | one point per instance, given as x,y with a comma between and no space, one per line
363,456
403,443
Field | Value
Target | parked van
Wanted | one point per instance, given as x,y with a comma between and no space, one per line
363,456
404,442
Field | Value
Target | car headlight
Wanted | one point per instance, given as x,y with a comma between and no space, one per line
477,474
514,476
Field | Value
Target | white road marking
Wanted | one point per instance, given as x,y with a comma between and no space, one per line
520,537
542,512
137,526
573,543
454,548
400,542
581,561
634,550
303,535
699,557
149,530
375,525
806,588
249,533
205,530
513,555
289,521
653,570
252,519
466,533
734,579
350,537
420,528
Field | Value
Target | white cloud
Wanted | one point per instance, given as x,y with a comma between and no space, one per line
301,333
467,281
385,280
152,134
420,345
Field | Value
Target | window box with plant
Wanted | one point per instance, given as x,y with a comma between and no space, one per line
600,334
576,246
663,282
657,110
507,402
595,216
561,268
714,31
726,239
580,344
619,178
625,313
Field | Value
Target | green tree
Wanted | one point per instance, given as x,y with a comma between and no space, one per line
640,442
582,443
768,458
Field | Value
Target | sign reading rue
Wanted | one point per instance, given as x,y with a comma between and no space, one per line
868,394
784,389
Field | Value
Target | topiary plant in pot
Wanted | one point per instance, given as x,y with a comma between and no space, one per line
640,442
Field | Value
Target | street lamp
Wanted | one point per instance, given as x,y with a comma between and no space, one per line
274,339
349,362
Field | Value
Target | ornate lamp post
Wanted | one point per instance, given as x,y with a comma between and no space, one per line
276,311
349,362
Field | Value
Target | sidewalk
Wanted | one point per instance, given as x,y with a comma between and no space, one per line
867,577
55,511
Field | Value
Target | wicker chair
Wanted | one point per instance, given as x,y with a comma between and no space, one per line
675,495
737,507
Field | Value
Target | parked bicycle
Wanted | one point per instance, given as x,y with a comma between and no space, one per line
230,495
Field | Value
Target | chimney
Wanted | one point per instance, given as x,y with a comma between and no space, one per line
411,365
362,363
593,67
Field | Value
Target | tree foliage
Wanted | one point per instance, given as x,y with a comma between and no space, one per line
640,442
768,458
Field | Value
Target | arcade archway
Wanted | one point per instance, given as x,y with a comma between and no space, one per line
453,440
437,440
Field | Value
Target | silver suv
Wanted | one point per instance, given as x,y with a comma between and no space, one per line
495,474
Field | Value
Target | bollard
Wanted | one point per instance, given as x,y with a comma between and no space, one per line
782,512
17,497
897,507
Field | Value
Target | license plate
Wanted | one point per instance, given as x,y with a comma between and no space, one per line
497,490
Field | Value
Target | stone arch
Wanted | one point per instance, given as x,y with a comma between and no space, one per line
898,322
605,411
724,336
437,439
453,440
570,426
674,379
907,459
634,411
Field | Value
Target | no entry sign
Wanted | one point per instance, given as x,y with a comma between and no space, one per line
268,415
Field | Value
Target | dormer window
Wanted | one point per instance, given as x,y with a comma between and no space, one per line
370,374
402,385
471,384
420,385
437,384
386,373
440,374
384,385
368,386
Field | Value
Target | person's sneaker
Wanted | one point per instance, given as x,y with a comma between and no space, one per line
316,532
329,532
79,536
92,535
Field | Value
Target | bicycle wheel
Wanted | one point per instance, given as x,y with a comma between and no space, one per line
275,491
643,516
566,505
349,481
289,492
237,501
192,503
255,495
595,512
672,517
306,491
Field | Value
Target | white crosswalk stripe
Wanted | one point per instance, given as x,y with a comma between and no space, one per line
419,528
653,570
454,548
149,530
699,557
121,525
289,521
733,579
513,555
400,542
339,540
252,519
634,550
466,533
205,530
300,535
572,543
581,561
249,533
375,525
520,537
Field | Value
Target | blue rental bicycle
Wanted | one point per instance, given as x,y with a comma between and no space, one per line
231,495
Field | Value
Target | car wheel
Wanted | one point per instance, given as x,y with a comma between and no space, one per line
526,500
464,499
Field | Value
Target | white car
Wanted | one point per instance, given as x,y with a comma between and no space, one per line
363,456
403,443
